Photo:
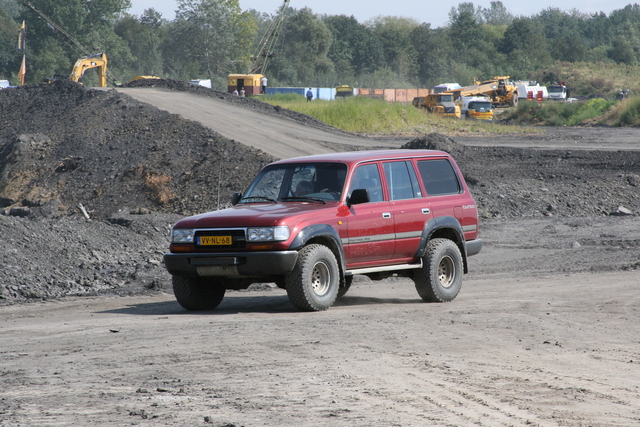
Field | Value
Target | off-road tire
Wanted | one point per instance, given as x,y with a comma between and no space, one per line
198,293
313,283
514,100
348,280
440,278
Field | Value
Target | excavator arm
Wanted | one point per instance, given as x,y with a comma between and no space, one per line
98,61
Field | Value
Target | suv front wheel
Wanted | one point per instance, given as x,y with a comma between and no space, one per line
440,278
198,293
313,283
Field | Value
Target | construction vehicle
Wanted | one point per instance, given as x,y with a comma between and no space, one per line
251,81
446,87
558,92
144,78
476,107
438,103
99,61
502,92
343,91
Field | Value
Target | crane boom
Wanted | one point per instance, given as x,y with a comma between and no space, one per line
265,47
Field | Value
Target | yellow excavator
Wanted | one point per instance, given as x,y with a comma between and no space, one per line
98,61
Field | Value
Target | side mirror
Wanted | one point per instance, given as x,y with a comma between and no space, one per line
358,196
235,198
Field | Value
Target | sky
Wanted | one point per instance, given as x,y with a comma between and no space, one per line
433,12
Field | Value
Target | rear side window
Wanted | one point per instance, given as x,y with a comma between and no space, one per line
439,177
399,178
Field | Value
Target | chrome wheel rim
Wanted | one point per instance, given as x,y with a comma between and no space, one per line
446,272
320,279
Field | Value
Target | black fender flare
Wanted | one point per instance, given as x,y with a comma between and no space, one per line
439,223
325,232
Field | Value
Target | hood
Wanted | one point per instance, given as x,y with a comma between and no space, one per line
257,215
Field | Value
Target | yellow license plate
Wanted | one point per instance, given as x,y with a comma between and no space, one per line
215,240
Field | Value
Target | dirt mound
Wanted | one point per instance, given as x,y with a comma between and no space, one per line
435,141
67,145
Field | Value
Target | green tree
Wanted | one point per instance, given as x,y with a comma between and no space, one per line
10,60
144,36
302,59
207,36
433,50
496,14
354,48
400,54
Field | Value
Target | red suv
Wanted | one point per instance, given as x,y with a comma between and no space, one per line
310,224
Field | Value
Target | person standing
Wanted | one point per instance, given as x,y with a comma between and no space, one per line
263,82
309,95
242,93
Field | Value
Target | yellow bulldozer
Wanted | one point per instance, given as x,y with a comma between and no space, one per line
438,103
501,91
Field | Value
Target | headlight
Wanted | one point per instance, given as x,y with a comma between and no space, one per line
268,234
181,235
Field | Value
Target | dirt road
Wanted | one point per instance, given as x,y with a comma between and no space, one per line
278,136
561,350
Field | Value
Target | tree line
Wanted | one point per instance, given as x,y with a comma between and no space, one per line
209,39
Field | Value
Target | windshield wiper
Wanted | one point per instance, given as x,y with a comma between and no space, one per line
244,199
313,199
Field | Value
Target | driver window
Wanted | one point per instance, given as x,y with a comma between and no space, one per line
368,177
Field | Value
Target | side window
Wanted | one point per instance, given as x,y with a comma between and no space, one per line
439,177
401,186
368,177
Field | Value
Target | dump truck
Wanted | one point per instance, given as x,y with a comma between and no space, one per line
438,103
476,107
499,89
558,92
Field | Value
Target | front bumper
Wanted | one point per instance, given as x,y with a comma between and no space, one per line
231,264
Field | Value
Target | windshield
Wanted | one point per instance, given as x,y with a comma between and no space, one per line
446,98
480,106
297,181
555,89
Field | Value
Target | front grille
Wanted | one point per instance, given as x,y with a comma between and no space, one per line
237,235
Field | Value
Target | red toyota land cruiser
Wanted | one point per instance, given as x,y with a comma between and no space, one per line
310,224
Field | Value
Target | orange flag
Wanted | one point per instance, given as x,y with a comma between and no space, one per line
23,70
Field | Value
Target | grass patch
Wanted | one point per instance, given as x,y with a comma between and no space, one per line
552,113
372,116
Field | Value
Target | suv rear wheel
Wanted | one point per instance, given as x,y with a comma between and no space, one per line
440,278
313,283
198,293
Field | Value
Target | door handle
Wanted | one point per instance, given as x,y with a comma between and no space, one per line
386,215
426,211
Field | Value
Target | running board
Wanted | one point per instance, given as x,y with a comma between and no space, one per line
381,269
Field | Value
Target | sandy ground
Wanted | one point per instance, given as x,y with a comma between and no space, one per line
518,347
